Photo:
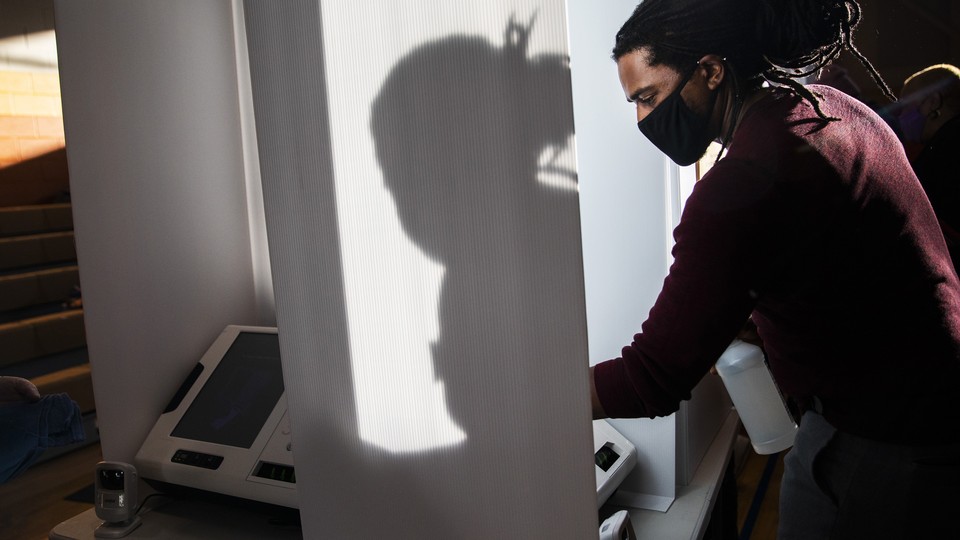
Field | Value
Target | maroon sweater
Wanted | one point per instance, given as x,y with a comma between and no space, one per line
823,234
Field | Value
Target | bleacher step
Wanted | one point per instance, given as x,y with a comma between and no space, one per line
38,287
33,219
39,336
36,250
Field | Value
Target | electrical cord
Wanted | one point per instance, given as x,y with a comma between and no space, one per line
147,498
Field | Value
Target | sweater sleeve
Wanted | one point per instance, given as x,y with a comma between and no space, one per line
720,245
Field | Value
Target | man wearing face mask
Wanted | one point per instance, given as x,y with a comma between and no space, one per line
930,121
814,226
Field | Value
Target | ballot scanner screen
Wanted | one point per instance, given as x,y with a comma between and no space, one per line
239,396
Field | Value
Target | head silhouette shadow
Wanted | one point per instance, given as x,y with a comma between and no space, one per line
463,131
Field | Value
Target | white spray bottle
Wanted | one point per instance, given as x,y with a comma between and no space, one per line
756,397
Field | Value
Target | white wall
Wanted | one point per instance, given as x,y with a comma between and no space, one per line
156,164
424,236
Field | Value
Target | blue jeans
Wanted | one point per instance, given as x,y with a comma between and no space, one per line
836,485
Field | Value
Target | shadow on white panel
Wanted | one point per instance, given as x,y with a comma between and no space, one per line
459,253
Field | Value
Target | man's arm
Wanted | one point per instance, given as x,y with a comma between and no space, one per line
598,411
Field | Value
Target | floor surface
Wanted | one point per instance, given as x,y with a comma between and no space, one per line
54,491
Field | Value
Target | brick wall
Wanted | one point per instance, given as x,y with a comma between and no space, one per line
33,165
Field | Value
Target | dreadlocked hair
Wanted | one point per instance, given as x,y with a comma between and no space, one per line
777,41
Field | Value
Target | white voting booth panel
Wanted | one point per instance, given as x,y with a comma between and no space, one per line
165,236
423,225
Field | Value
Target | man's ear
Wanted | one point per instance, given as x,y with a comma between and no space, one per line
931,104
714,70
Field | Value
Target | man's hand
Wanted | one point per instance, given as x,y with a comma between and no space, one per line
749,334
16,390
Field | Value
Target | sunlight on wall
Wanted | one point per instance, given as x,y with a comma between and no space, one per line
393,282
401,406
557,166
33,164
36,50
393,316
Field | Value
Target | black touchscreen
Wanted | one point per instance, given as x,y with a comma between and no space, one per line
239,396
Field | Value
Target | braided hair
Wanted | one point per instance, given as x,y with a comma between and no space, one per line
778,41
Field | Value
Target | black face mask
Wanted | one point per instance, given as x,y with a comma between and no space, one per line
677,131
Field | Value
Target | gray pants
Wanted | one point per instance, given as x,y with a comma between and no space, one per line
837,485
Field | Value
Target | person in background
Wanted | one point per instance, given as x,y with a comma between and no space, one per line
837,76
814,225
17,390
31,423
930,119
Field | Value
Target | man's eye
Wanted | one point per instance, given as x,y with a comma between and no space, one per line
645,100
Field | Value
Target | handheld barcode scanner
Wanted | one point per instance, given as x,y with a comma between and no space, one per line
618,527
115,499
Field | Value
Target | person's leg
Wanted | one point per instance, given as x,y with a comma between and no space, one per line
892,491
864,479
901,492
806,512
851,488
